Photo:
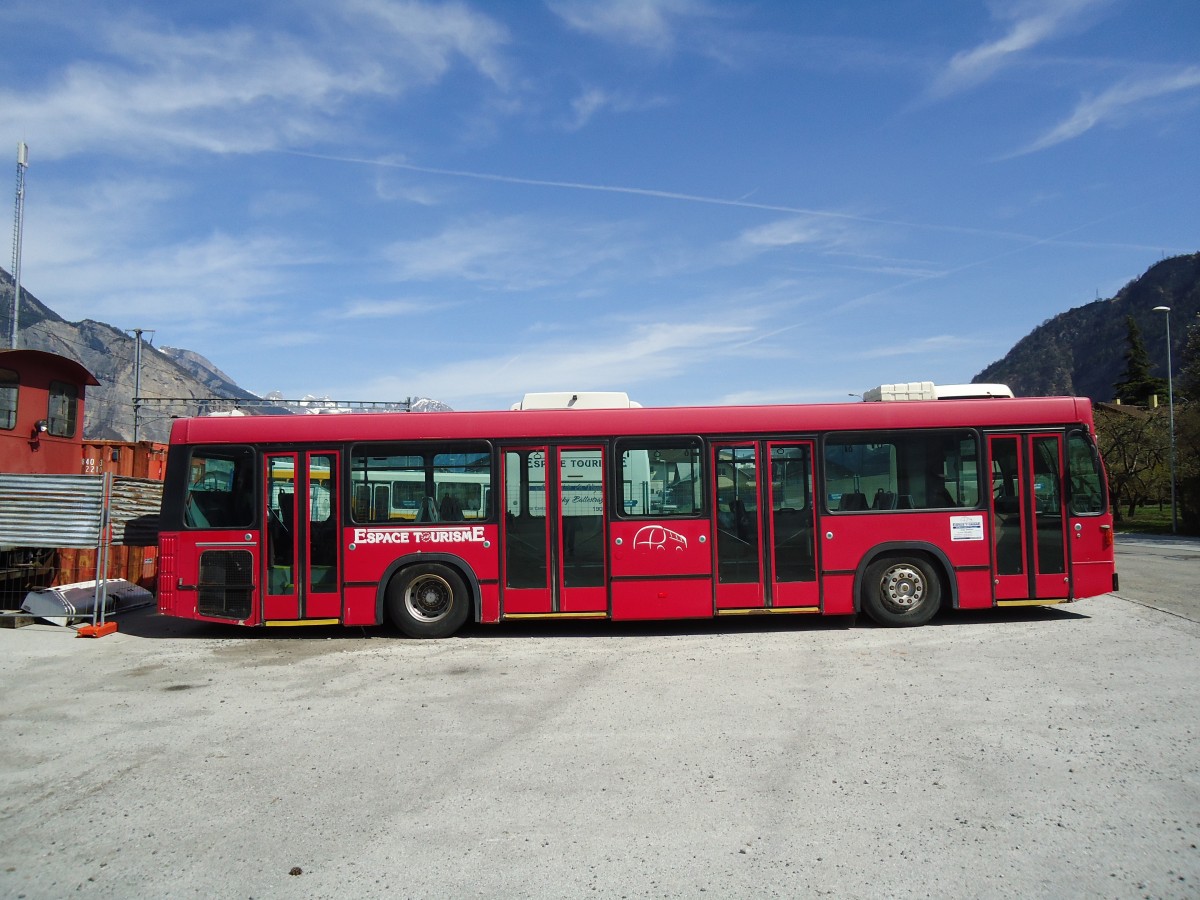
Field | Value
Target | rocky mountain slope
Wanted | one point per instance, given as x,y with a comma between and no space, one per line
109,354
169,372
1082,351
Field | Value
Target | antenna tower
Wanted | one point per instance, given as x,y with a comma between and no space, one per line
18,223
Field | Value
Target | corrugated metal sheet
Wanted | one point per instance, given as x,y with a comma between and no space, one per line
134,511
50,510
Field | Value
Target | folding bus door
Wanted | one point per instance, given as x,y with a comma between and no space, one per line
301,558
1028,519
765,526
739,547
582,580
554,542
792,526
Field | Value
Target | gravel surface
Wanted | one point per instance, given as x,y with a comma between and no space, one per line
1027,752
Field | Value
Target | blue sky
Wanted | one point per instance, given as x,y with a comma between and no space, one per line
696,202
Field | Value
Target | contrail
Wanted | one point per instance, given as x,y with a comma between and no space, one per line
900,285
660,195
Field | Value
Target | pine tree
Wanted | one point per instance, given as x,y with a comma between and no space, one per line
1137,385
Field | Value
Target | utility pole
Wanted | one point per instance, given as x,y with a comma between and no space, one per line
18,226
137,380
1166,310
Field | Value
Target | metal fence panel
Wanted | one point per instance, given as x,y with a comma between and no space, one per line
133,511
51,510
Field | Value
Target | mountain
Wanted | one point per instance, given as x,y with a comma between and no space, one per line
169,373
110,354
1082,351
203,371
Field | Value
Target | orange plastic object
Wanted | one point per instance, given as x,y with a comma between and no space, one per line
95,631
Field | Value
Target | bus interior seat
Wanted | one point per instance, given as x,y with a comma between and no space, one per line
427,511
214,508
854,501
1007,506
280,527
884,500
450,509
193,514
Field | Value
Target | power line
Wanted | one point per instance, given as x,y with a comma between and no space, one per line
209,405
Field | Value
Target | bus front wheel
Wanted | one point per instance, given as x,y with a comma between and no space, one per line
427,601
901,591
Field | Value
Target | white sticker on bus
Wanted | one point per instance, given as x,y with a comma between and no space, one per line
966,528
471,534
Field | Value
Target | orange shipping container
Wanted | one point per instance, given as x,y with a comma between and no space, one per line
145,459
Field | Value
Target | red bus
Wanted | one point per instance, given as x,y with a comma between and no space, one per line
895,509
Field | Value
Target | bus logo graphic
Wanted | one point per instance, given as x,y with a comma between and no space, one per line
655,537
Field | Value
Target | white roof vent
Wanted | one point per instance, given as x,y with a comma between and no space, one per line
911,390
971,391
577,400
927,390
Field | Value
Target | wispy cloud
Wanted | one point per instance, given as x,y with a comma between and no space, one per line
1031,22
647,24
510,253
594,101
786,233
94,263
938,343
149,88
1117,105
812,232
625,356
431,36
386,309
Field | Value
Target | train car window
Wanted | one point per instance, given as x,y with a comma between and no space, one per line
63,409
9,386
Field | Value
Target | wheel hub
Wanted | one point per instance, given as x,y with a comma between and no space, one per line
903,588
430,598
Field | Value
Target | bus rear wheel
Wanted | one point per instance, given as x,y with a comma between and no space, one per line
901,591
428,600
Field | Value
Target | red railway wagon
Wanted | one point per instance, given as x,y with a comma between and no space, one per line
41,412
42,401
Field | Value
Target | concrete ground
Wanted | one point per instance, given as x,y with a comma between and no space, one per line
1030,752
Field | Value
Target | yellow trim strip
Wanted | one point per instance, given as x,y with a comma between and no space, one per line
770,611
574,615
1031,602
291,622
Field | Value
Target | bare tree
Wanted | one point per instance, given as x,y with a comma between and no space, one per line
1135,443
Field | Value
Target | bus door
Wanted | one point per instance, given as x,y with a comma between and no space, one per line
553,530
764,523
792,526
301,556
1029,524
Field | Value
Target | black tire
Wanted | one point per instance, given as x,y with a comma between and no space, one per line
428,600
901,591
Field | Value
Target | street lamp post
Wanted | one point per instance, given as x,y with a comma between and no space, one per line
1171,413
